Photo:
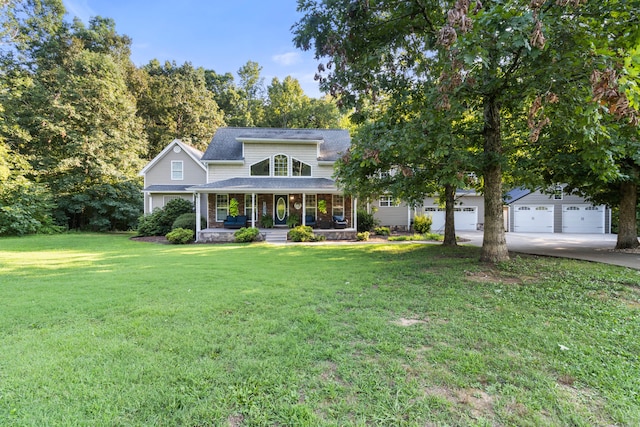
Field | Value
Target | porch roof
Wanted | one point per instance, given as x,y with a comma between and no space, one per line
168,188
268,185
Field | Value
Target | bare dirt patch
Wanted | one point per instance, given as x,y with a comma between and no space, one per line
478,402
409,322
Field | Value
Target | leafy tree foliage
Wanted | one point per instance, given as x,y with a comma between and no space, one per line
495,57
175,103
288,107
75,115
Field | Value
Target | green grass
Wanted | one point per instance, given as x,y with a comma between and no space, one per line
99,330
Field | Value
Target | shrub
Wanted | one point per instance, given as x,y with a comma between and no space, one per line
304,233
362,236
188,220
382,231
180,236
366,220
246,235
415,237
160,222
422,223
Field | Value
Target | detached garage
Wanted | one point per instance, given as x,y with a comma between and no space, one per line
533,219
538,212
583,218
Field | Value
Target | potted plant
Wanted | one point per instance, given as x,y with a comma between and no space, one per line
293,220
266,221
233,207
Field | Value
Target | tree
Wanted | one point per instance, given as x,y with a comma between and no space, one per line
411,150
175,103
286,103
228,97
73,117
492,56
251,90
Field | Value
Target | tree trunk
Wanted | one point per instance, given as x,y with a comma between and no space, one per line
494,245
449,222
628,226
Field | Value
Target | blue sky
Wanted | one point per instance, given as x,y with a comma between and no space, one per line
216,34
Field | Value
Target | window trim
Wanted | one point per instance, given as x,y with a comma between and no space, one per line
335,205
293,160
248,198
287,170
268,159
558,193
313,206
218,207
173,171
388,201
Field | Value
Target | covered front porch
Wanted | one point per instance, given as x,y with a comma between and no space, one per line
275,203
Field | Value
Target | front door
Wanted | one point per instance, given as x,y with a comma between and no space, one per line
281,203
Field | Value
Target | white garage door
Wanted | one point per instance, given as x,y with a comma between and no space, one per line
533,219
582,219
466,218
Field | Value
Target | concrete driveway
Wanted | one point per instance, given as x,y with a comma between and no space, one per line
588,247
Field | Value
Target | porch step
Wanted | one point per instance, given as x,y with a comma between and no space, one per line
277,236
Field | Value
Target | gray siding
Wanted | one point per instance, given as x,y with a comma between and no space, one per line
160,173
393,217
254,153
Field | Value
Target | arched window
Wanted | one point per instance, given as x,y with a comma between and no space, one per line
280,165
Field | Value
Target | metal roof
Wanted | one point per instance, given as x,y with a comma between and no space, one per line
167,188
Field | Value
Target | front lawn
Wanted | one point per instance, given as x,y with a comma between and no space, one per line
99,330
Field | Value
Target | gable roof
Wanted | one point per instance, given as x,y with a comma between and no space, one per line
192,152
227,142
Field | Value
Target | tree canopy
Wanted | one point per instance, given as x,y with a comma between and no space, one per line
493,61
78,119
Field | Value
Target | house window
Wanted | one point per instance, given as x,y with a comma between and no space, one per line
388,201
299,168
310,205
280,165
248,206
557,192
338,205
177,173
260,168
222,207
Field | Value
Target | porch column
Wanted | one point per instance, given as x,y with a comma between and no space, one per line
304,209
198,225
253,210
354,207
409,217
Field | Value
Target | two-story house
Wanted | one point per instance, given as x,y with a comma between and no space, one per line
281,174
275,173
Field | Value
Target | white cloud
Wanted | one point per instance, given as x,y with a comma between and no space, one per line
288,58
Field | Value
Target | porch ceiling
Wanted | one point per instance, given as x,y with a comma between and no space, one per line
269,185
